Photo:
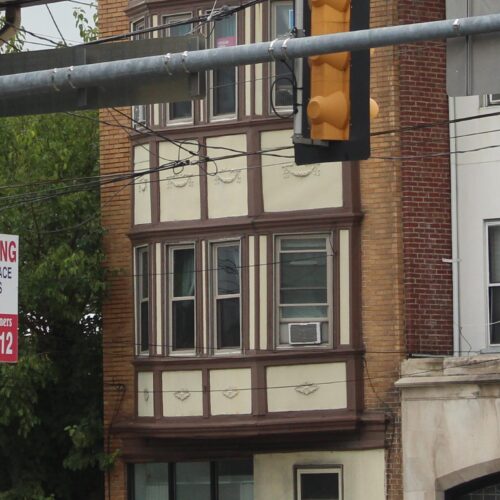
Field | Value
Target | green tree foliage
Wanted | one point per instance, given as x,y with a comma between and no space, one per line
51,401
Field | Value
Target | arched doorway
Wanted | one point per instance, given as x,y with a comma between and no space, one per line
483,488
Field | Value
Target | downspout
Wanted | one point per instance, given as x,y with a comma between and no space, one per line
454,229
11,25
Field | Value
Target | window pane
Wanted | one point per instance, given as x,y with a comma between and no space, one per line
192,481
184,272
303,270
151,481
319,486
494,253
235,480
305,312
144,274
224,79
303,296
228,323
303,244
224,91
494,300
183,324
282,24
228,273
144,312
180,110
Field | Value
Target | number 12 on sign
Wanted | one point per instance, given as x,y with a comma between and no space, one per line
8,338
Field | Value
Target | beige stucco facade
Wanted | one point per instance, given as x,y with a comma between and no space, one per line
363,473
450,420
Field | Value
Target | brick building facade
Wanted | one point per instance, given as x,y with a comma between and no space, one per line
393,220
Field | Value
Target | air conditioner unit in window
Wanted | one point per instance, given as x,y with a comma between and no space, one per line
304,333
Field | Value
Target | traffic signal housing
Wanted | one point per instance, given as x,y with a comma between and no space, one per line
333,123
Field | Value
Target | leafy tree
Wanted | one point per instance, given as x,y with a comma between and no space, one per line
51,401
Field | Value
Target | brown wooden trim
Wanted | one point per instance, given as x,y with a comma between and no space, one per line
252,67
205,380
271,301
202,168
215,128
155,182
157,394
279,357
244,294
292,431
208,298
266,67
305,220
240,70
254,174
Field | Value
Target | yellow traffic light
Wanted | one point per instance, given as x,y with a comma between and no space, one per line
328,109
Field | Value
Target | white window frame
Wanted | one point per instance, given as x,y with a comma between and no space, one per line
139,299
272,66
329,283
492,100
234,114
182,16
318,469
215,296
171,299
489,285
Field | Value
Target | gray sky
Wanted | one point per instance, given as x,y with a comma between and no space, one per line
37,20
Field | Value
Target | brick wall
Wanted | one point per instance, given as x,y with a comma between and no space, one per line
426,187
382,254
118,307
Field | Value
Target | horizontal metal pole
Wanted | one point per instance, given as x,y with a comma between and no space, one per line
100,74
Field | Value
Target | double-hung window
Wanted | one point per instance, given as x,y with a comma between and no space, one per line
318,483
304,282
179,111
224,34
142,298
494,282
182,284
226,289
281,73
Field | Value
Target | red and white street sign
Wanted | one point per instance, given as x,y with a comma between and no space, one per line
9,272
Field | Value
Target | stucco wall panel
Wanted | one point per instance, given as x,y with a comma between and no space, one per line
227,191
182,393
319,386
179,188
287,186
230,392
363,473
